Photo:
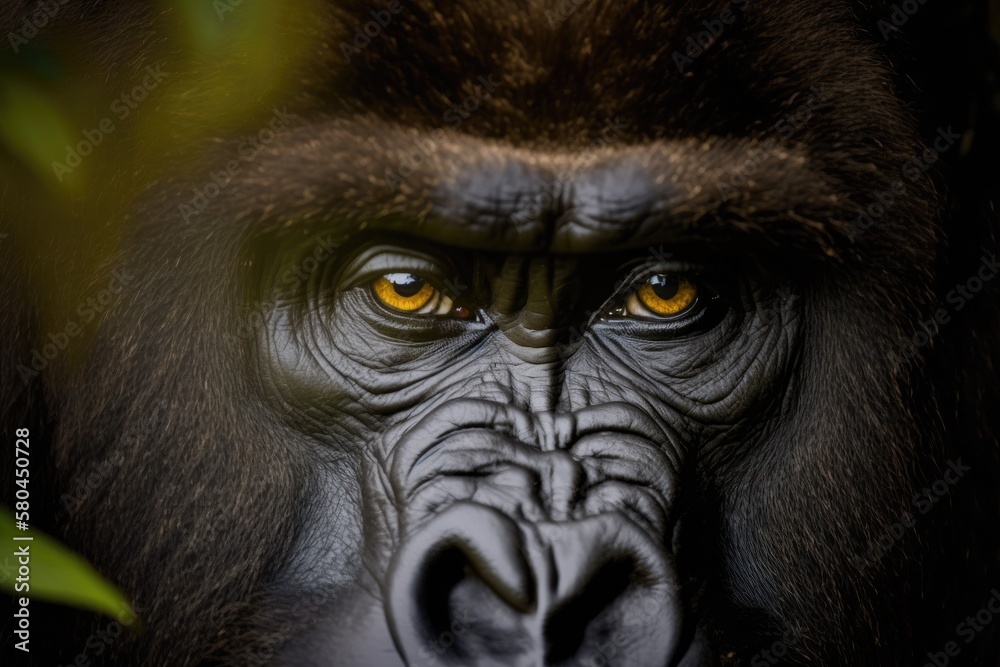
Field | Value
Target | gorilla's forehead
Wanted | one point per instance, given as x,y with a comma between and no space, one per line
482,194
546,117
534,68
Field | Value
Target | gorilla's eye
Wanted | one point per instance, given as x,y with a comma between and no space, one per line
409,293
663,295
405,291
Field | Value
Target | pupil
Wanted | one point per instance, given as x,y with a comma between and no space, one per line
665,286
405,284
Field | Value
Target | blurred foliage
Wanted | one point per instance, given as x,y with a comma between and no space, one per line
32,128
84,132
58,575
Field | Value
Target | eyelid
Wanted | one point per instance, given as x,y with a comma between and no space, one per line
376,261
638,274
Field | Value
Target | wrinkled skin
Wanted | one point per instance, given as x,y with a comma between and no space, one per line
541,473
545,469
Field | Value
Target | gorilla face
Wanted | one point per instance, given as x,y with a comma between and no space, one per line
519,483
524,340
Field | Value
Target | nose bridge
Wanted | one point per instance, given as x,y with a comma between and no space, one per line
533,377
534,300
553,290
534,296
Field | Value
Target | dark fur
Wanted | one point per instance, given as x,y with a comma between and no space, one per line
164,398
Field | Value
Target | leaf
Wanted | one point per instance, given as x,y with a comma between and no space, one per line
32,126
56,574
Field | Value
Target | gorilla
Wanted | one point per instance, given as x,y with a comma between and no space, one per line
394,332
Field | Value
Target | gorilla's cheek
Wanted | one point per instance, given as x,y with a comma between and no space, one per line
700,387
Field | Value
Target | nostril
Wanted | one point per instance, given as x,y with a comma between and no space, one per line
579,618
442,574
456,581
464,590
464,563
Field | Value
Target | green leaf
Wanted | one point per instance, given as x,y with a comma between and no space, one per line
32,126
56,574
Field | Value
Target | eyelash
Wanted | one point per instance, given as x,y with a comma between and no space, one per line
428,300
638,300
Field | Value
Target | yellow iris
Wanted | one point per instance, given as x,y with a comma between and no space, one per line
666,294
403,291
